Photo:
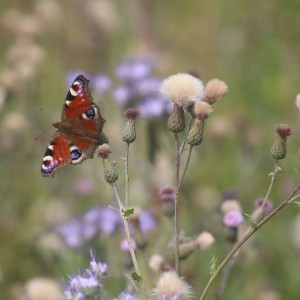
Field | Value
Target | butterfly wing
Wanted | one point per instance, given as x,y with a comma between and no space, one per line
56,155
79,131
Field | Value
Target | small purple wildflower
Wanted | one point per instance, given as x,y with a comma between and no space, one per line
125,247
85,284
146,221
101,83
109,220
72,233
233,219
134,69
268,204
152,107
127,296
122,95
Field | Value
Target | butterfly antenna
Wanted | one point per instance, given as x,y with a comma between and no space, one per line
37,137
46,114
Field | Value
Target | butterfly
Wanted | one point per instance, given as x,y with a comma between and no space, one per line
78,133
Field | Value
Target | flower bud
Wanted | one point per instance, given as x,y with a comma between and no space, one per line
129,132
278,150
110,172
176,122
195,135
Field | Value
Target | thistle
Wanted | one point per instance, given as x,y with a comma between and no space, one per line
110,172
129,132
176,122
278,150
201,111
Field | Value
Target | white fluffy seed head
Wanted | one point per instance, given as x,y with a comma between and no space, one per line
170,286
204,240
202,109
215,90
155,262
182,89
229,205
298,101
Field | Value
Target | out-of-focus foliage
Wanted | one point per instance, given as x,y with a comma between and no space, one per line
253,46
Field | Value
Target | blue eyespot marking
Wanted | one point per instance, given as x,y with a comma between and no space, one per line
75,154
90,113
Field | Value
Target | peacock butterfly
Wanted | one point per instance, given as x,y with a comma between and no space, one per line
79,131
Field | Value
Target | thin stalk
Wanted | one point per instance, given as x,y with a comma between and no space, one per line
128,237
239,244
184,141
127,177
186,165
176,221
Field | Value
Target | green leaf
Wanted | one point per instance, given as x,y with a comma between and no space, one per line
213,266
128,212
136,277
296,203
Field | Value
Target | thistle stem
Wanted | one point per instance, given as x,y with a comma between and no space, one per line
176,221
128,237
127,177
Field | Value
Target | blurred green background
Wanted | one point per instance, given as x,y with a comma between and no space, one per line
254,46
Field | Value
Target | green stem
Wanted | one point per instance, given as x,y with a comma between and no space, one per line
127,177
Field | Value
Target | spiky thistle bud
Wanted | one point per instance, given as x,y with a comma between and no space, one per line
176,121
110,172
195,135
278,150
129,132
167,194
215,90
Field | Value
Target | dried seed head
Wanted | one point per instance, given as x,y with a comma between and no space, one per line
182,89
215,90
156,262
298,101
204,240
170,286
202,109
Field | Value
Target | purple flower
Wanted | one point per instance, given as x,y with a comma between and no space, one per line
72,232
146,221
148,86
134,69
152,107
85,284
125,246
268,207
109,220
101,83
233,219
127,296
167,193
122,94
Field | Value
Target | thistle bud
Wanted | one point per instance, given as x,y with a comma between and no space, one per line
278,150
110,172
129,132
186,249
167,194
176,122
195,135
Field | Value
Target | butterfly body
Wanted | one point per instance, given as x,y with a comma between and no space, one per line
78,133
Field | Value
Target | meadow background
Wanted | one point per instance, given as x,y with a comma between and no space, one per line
254,46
